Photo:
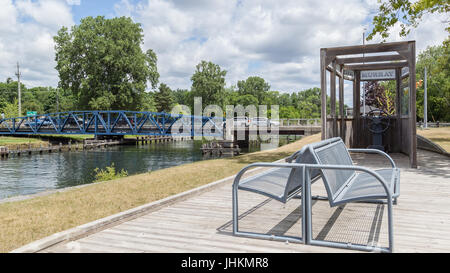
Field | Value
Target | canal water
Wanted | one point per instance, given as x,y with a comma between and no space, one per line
40,172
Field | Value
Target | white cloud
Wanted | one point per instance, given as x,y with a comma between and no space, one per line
276,40
50,13
27,29
73,2
8,16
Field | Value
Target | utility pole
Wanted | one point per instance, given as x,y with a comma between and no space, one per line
57,100
18,89
425,109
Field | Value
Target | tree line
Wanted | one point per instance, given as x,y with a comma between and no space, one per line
252,91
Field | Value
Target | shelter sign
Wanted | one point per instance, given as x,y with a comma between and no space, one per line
373,75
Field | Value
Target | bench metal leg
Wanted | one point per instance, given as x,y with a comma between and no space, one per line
311,241
236,231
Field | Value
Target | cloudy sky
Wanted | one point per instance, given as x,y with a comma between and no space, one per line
276,40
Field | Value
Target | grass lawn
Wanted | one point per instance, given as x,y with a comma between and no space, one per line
440,136
25,221
38,139
75,138
13,142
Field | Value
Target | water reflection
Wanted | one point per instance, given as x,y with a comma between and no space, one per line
31,174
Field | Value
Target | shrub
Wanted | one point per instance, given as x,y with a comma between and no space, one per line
109,174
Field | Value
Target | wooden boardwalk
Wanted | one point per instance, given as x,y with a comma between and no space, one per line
203,223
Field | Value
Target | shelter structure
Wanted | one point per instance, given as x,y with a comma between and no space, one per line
385,61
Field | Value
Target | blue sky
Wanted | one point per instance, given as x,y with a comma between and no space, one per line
276,40
93,8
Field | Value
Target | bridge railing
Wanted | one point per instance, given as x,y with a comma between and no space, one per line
300,122
434,124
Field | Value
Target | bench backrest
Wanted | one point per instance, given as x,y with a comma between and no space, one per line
295,179
333,152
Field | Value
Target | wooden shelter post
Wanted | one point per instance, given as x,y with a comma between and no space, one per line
333,98
412,103
341,103
323,91
398,101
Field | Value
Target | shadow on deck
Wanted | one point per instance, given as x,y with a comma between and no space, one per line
203,223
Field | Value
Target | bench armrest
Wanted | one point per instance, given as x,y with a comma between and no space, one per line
374,151
292,157
315,166
238,177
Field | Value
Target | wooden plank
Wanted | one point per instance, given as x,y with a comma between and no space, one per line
370,59
376,66
369,48
339,74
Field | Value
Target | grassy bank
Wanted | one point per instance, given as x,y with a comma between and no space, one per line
67,138
14,142
440,136
26,221
41,139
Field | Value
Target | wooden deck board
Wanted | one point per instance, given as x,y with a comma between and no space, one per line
203,223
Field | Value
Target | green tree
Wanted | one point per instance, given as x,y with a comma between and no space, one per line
148,103
408,13
102,63
271,98
246,100
8,90
289,112
181,96
208,82
164,99
437,61
3,103
255,86
379,96
285,99
11,110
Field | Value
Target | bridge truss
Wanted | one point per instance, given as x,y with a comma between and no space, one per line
113,123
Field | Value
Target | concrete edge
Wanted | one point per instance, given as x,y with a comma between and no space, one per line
85,229
428,145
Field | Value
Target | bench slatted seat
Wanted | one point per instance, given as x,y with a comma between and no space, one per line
364,187
271,183
344,182
348,185
280,183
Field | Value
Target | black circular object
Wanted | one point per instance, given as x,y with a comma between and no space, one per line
379,121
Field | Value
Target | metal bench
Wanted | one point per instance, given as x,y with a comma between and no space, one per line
344,183
282,183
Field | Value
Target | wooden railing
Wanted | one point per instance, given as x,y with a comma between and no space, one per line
300,122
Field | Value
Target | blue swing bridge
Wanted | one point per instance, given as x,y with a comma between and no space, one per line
114,123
